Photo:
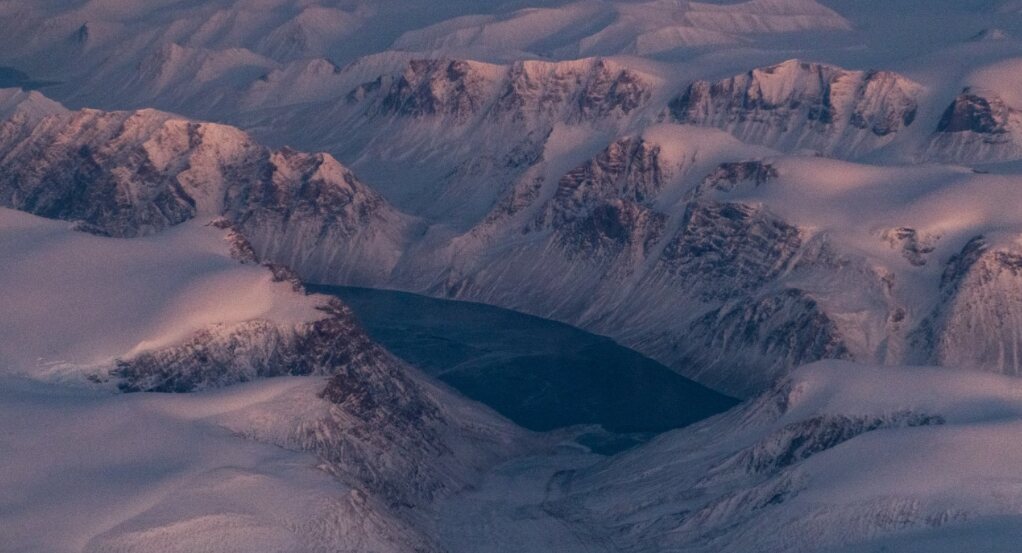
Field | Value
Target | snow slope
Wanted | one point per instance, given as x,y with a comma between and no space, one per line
734,272
133,473
729,262
734,188
835,457
76,300
317,461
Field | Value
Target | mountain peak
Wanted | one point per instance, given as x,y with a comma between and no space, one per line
30,104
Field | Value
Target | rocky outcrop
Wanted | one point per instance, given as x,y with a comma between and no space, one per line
524,92
468,130
971,112
975,323
978,126
580,91
127,174
747,343
729,176
915,247
629,170
797,441
312,214
224,355
117,173
798,105
453,88
723,250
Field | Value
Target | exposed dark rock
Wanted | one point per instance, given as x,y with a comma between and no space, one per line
727,176
629,170
915,248
726,249
611,226
787,326
975,112
797,104
431,87
223,355
800,440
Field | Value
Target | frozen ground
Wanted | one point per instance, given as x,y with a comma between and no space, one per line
97,472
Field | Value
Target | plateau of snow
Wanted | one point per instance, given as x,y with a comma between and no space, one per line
73,300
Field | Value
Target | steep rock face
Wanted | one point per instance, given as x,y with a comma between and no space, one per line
585,90
729,176
526,91
312,214
976,322
725,249
127,174
469,130
121,173
748,343
454,88
600,217
628,170
618,246
405,439
978,126
724,265
611,228
224,355
796,105
973,112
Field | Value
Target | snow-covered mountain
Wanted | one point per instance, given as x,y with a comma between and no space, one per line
797,105
733,188
191,309
731,263
445,138
135,173
977,126
836,457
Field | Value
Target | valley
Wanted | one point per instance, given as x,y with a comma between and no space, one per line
540,374
397,276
